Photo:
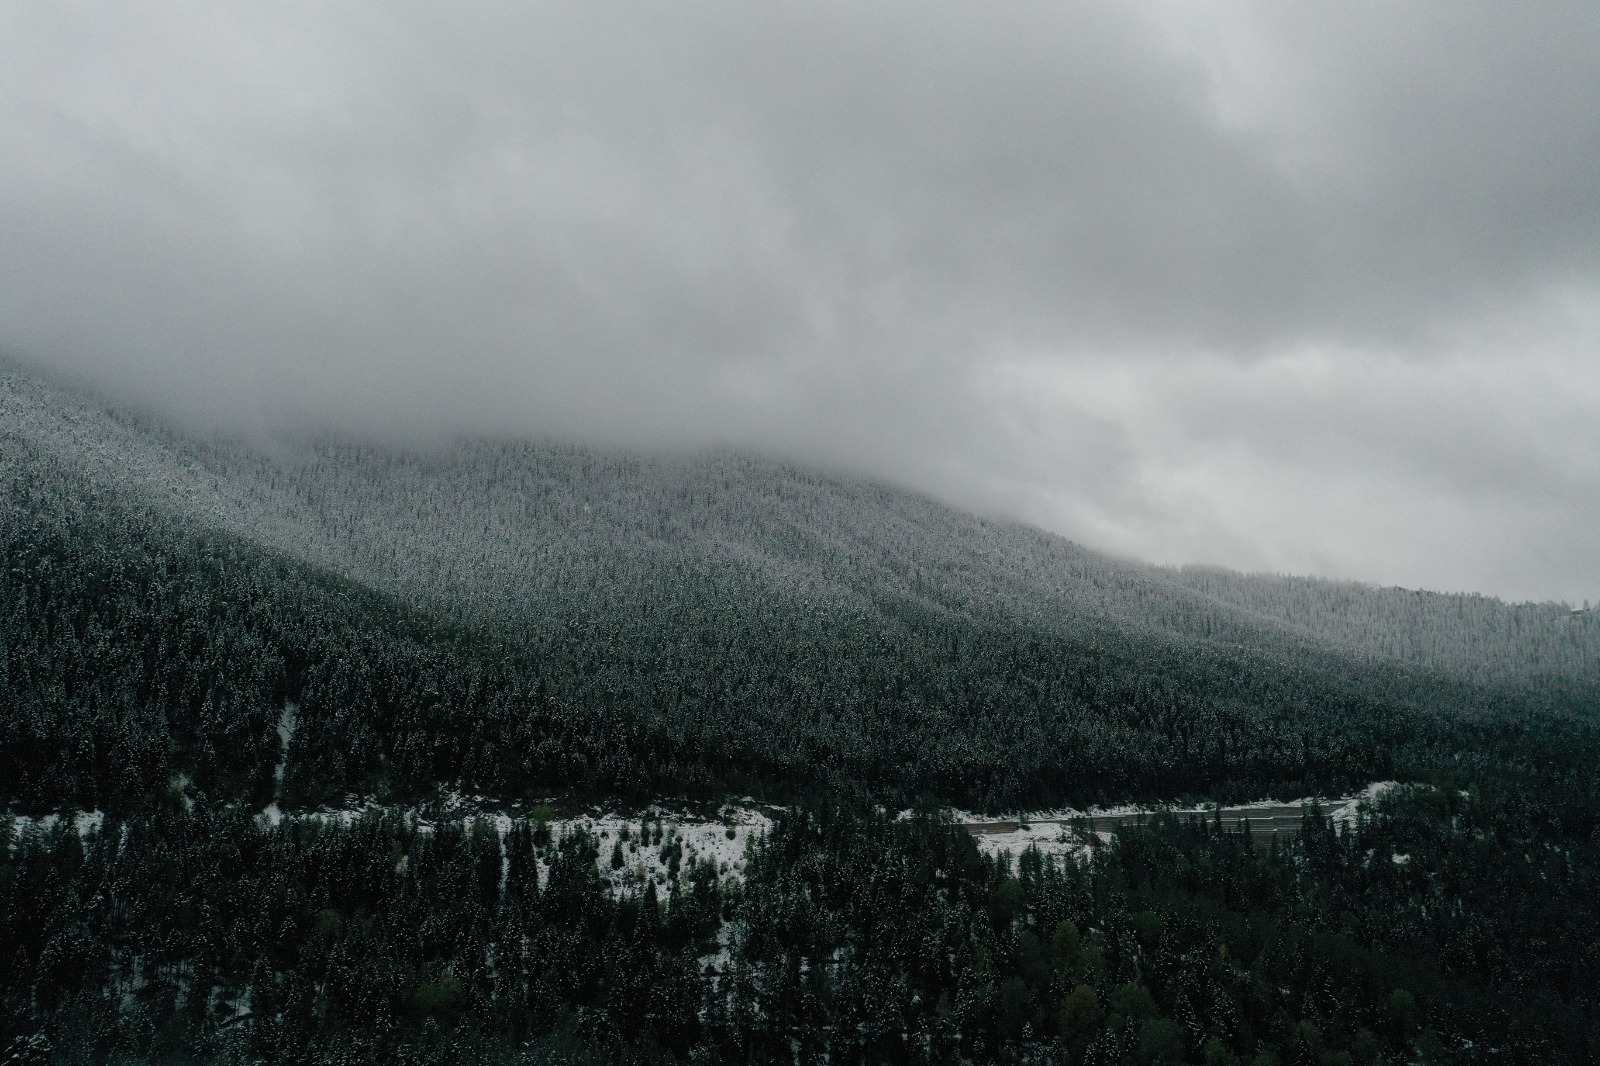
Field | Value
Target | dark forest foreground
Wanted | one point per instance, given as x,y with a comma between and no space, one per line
1449,926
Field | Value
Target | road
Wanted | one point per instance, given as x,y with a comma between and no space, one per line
1266,822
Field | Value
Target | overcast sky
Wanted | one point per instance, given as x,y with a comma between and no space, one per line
1300,288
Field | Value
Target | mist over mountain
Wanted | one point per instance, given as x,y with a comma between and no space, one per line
707,621
526,531
1312,293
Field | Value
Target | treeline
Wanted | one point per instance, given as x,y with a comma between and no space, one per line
1466,634
1455,927
508,530
533,533
140,658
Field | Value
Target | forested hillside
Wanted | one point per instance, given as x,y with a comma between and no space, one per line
1448,928
521,617
193,630
533,532
1461,633
145,644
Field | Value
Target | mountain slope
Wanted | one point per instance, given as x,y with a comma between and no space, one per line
523,617
501,530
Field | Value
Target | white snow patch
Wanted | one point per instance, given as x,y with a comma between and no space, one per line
179,785
288,718
1050,838
655,833
1350,811
85,822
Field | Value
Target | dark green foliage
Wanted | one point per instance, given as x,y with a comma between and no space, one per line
856,936
745,628
213,935
1183,943
142,662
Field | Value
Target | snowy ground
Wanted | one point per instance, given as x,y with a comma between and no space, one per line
85,822
288,717
650,839
647,841
1050,838
1361,801
1066,831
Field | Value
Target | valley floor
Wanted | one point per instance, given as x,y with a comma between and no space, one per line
650,844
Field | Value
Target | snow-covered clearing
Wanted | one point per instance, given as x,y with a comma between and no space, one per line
1066,831
634,847
661,843
1050,838
647,842
85,822
1362,801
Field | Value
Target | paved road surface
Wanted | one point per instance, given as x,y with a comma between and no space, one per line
1265,822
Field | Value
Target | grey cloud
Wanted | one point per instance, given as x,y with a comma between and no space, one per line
1475,472
813,228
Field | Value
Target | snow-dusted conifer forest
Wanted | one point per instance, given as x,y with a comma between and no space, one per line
210,647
